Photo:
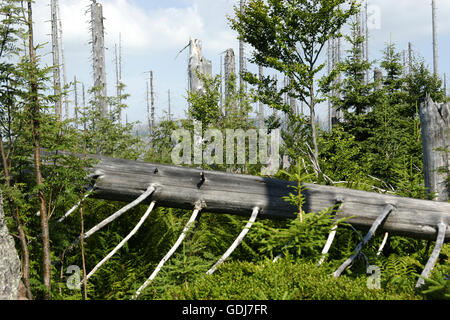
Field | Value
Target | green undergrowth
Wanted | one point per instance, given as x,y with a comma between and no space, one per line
285,279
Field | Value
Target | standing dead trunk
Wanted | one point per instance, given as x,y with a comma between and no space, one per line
117,62
56,65
63,61
147,100
435,126
152,103
75,88
261,105
230,85
241,64
98,55
169,106
435,53
315,151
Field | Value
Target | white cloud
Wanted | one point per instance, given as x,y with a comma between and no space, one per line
154,30
411,19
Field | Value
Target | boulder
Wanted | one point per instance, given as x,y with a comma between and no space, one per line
9,261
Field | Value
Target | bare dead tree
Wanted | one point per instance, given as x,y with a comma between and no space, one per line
63,61
98,56
366,28
118,69
152,100
261,105
435,126
241,58
147,99
230,70
168,105
221,83
83,94
410,58
445,84
435,52
76,99
56,60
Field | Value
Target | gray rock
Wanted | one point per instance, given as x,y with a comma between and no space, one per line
9,261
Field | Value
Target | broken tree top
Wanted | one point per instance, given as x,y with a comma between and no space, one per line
220,192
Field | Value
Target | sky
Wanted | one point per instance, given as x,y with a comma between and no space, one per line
154,31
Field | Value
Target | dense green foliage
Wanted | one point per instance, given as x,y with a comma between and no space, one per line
375,147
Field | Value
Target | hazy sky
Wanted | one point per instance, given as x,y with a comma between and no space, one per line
154,31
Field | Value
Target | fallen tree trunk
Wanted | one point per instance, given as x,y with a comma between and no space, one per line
180,187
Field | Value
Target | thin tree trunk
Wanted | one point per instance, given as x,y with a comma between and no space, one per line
261,105
118,82
35,125
147,99
241,64
435,53
98,55
63,61
76,100
152,99
314,131
56,65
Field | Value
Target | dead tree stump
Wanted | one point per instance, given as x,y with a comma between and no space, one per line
435,126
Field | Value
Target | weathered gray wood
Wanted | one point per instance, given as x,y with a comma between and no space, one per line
63,61
179,187
434,255
98,55
197,63
386,211
435,52
261,123
56,61
435,126
230,69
